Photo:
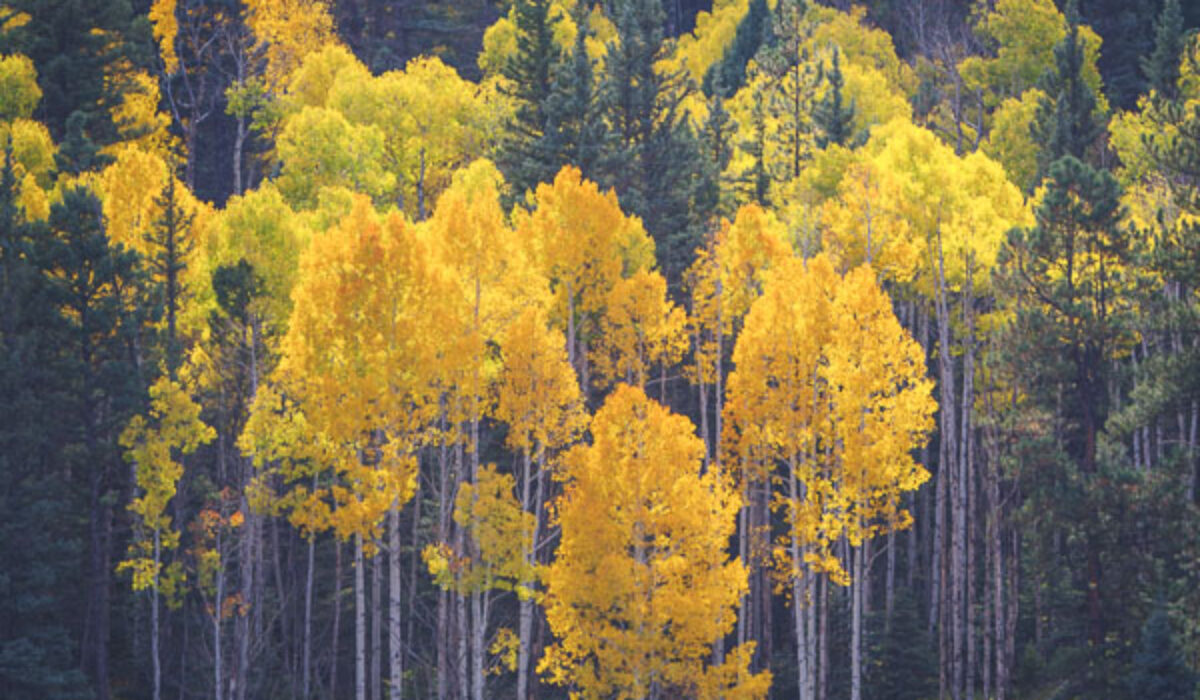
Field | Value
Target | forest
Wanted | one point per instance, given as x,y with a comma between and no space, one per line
634,349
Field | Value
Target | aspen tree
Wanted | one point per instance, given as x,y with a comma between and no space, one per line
641,585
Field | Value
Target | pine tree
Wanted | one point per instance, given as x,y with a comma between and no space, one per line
834,120
729,74
653,163
1067,122
98,291
171,243
575,132
523,156
1158,669
716,144
1161,67
40,544
1071,280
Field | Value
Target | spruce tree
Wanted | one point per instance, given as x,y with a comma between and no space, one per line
834,120
1067,122
524,157
98,292
729,74
575,132
1161,67
716,142
1158,668
654,157
40,542
171,244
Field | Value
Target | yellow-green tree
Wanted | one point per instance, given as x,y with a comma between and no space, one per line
642,585
154,444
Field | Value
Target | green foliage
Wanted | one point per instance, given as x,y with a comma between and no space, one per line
1068,122
1162,65
903,662
575,132
525,157
1158,669
652,164
729,74
833,119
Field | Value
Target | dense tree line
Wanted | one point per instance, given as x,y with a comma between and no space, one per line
628,349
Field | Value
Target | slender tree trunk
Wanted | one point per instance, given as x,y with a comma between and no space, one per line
857,584
156,667
375,656
337,617
525,612
395,655
478,634
306,662
218,650
360,622
96,637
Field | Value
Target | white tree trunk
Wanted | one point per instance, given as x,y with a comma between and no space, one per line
395,656
360,622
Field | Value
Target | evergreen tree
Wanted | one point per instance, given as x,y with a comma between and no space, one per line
1158,669
40,544
98,292
171,244
575,132
524,157
654,159
1070,281
77,153
1067,122
726,76
1161,67
833,118
716,138
76,45
902,663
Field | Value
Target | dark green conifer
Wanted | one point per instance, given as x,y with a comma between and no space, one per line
1158,668
1161,67
575,131
524,157
833,118
653,162
730,72
1067,122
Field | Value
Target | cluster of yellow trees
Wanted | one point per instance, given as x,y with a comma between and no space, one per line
409,312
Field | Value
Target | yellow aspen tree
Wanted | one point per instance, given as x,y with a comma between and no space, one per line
353,359
957,211
882,411
539,398
830,389
154,444
287,30
32,160
19,91
433,122
496,530
640,330
863,225
642,584
584,245
725,279
493,280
